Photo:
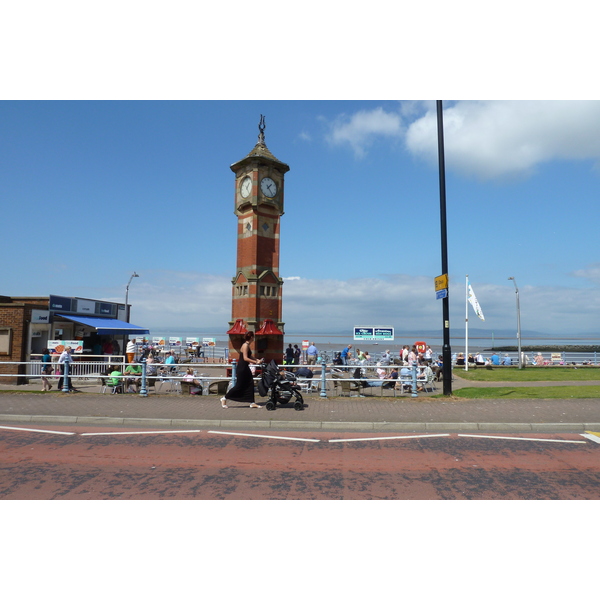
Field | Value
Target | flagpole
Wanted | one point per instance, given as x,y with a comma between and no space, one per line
466,323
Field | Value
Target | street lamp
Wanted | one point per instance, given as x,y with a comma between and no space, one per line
446,352
518,321
127,294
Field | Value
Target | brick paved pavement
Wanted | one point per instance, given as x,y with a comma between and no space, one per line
424,413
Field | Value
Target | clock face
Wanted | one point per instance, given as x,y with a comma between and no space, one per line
268,187
246,187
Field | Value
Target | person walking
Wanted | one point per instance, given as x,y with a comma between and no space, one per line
46,370
311,354
346,354
64,358
243,390
289,355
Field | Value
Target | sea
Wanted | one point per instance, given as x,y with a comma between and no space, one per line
331,343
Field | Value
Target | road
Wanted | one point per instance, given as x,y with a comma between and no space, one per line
91,463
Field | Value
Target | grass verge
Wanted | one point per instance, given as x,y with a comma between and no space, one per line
540,392
529,374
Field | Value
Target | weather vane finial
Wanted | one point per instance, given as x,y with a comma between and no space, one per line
261,129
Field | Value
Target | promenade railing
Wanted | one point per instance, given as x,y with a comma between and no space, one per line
99,372
327,375
565,358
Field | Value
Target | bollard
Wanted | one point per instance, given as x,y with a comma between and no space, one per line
233,373
143,389
323,393
414,380
65,370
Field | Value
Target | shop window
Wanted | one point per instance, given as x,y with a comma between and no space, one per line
5,340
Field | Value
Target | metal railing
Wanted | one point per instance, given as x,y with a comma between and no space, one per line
160,373
98,368
549,358
215,354
90,367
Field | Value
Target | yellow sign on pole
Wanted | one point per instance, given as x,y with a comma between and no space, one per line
441,282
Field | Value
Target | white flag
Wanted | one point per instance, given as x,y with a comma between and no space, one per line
473,302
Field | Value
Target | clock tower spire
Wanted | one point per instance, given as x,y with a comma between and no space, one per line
257,286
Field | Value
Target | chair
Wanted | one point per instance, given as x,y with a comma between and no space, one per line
186,388
304,385
403,384
347,387
167,378
218,387
314,385
115,389
428,382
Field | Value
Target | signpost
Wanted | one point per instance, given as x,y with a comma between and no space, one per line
377,334
441,283
441,286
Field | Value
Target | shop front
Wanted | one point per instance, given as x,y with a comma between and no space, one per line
29,325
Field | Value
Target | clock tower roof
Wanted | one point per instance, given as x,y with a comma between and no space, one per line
260,152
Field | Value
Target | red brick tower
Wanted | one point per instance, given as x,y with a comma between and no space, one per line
256,293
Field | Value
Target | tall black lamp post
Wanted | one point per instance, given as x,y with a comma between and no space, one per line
446,352
127,294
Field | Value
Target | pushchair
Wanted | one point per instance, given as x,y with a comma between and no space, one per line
279,387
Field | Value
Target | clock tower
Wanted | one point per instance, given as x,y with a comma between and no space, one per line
256,291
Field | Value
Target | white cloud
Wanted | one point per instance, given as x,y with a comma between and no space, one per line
172,300
494,139
165,299
361,129
483,139
592,273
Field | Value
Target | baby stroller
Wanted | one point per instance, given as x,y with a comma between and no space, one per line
280,387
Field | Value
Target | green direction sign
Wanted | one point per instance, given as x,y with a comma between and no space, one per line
377,334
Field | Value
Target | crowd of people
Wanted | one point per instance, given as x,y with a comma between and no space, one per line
386,364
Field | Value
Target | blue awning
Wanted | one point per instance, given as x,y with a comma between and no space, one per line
107,326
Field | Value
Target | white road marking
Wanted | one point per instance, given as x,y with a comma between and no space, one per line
396,437
272,437
143,432
38,430
503,437
591,436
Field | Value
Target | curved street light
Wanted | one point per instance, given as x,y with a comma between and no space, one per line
127,294
518,321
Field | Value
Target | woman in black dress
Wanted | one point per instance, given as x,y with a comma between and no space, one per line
243,390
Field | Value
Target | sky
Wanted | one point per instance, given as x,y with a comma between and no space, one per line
100,178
